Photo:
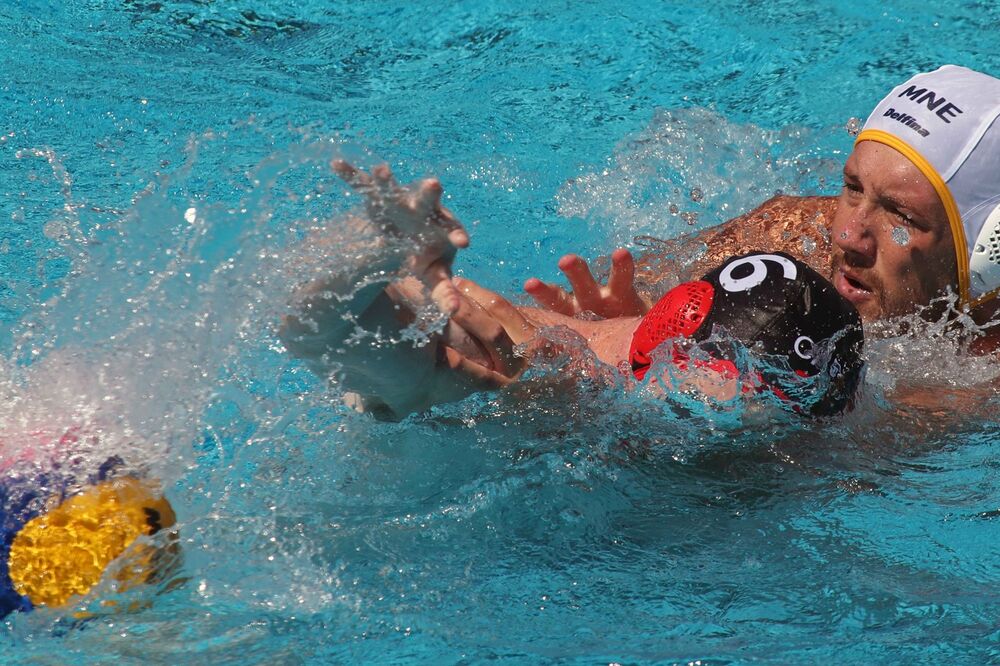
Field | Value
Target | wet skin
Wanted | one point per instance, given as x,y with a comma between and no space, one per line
885,242
893,248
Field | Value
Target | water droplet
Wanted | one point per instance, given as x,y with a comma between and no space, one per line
190,215
901,236
674,209
697,195
853,126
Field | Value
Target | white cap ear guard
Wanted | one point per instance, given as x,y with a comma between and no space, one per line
984,266
946,123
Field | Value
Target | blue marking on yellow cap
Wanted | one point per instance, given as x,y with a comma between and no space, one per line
17,498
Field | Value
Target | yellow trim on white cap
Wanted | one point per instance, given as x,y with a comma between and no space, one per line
988,296
950,207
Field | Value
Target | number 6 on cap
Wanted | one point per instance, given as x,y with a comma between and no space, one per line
759,273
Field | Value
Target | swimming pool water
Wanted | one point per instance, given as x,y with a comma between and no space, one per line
159,162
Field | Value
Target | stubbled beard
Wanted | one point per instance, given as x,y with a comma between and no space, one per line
893,304
873,283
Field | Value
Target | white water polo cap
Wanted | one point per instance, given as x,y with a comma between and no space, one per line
945,122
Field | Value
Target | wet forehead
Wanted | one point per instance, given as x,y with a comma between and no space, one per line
889,174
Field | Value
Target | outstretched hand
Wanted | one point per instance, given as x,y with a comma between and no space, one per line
413,212
618,299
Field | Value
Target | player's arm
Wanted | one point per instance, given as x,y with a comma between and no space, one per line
381,291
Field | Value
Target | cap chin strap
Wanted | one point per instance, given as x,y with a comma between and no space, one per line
950,207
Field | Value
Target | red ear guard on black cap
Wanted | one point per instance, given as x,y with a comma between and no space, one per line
772,303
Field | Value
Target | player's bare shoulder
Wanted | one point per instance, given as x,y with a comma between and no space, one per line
799,226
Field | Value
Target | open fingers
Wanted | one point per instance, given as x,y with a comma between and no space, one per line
550,297
427,196
459,238
445,219
585,287
384,182
426,202
350,174
457,234
621,284
422,201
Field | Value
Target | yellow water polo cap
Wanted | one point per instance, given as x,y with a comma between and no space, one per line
945,122
65,551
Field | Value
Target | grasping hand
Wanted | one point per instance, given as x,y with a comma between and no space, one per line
498,326
413,212
619,298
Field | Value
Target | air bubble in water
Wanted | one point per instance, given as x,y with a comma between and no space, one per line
55,229
697,195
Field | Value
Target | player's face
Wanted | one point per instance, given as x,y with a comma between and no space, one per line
892,245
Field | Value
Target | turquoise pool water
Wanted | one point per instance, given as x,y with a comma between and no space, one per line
160,161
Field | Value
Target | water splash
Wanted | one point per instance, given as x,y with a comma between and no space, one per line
699,166
932,348
169,302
